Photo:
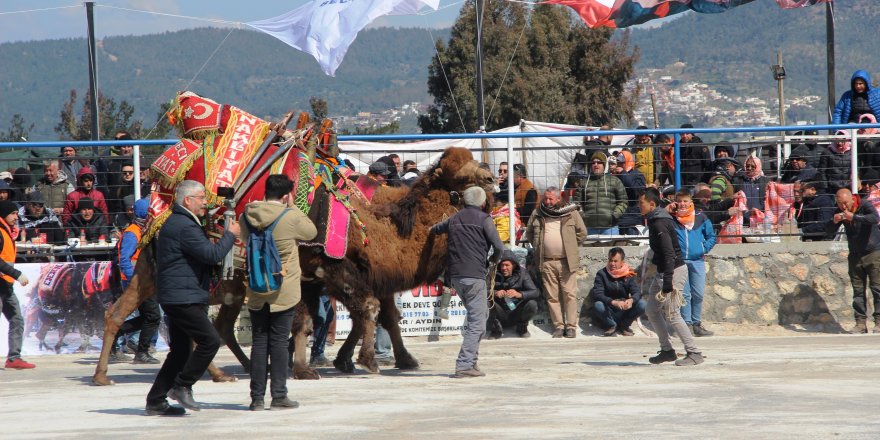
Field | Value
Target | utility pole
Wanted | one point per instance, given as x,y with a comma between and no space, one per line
829,53
779,76
93,70
481,110
654,109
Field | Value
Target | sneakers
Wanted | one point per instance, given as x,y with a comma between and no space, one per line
283,403
625,331
144,358
699,331
860,327
609,331
184,396
570,333
690,360
473,372
19,364
164,409
117,357
664,356
557,333
320,361
257,405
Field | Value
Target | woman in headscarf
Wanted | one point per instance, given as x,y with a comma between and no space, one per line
754,183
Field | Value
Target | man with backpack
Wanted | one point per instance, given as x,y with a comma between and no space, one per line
272,229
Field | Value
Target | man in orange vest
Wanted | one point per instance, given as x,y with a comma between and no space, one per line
148,319
8,300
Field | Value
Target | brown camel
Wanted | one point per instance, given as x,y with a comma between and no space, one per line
400,255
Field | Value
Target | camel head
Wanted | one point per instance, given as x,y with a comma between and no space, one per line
457,170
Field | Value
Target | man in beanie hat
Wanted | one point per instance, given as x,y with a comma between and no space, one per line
85,189
86,222
148,320
602,198
8,275
471,235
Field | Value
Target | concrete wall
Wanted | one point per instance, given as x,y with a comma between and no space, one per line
789,283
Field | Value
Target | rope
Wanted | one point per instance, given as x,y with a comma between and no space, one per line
670,303
165,14
41,9
443,70
506,71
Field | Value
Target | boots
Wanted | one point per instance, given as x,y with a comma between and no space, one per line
877,324
860,327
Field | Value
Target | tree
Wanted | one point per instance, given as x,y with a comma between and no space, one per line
562,71
113,119
19,130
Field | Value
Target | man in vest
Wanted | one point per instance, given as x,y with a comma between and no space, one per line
8,300
148,319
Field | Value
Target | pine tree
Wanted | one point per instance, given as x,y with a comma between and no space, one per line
559,70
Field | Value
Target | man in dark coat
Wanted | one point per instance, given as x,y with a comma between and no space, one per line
695,160
516,298
813,211
184,260
617,298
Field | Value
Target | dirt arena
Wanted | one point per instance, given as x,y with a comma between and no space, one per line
788,385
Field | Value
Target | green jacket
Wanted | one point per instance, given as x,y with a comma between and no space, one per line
603,200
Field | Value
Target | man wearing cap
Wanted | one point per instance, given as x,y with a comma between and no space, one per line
6,191
54,186
86,222
516,298
8,275
471,236
148,320
695,160
798,169
36,220
85,189
602,198
379,171
813,210
525,196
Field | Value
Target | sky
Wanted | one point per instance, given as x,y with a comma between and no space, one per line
70,22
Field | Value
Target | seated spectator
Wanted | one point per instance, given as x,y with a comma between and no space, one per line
754,184
858,100
54,186
21,184
666,163
869,150
617,298
813,211
695,160
721,181
35,219
835,166
117,194
723,151
696,238
6,191
85,189
641,147
718,211
87,223
798,169
516,298
634,183
380,172
602,198
525,196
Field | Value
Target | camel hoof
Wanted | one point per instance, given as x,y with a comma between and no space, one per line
407,362
102,380
225,378
344,365
372,367
306,374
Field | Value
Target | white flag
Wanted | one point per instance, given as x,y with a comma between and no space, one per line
325,28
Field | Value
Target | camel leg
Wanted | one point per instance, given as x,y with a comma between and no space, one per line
389,317
225,323
367,355
343,361
301,329
141,287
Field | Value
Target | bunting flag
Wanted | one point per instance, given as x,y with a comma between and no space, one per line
325,28
625,13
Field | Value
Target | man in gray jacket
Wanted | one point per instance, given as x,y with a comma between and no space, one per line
471,235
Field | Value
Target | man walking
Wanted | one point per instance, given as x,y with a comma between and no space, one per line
471,235
8,275
664,290
184,257
555,232
863,237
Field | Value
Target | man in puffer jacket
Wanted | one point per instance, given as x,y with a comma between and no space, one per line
859,100
835,165
602,198
516,298
695,238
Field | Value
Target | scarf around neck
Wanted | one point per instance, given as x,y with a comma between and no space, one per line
552,211
624,272
686,217
755,173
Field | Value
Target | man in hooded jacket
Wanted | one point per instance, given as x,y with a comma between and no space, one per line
516,298
858,100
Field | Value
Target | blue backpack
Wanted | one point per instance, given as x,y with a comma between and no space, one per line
265,270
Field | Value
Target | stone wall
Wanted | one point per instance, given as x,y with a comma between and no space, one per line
790,283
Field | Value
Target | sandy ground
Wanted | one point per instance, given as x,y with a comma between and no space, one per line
788,385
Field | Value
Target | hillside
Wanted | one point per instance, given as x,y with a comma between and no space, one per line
384,68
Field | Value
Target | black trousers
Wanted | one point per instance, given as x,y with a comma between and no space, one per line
187,323
147,322
270,332
520,316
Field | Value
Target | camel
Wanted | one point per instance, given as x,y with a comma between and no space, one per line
399,254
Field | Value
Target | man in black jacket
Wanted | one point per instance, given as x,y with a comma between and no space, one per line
184,259
695,160
664,289
813,211
471,235
863,237
617,298
516,298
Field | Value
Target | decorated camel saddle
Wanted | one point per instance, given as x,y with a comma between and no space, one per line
232,152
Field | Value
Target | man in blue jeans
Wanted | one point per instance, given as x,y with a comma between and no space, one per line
696,237
617,298
471,235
